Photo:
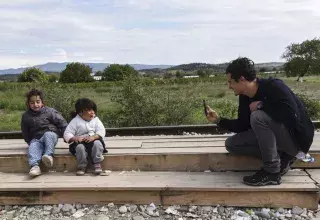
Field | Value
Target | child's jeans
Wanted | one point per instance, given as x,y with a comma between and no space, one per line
93,149
43,146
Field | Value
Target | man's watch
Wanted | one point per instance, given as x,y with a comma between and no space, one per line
260,105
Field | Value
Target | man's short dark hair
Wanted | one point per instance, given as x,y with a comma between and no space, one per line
242,67
34,92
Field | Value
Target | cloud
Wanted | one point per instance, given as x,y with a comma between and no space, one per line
152,32
60,54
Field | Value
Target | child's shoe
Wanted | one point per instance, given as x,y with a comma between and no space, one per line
47,160
81,171
35,171
97,168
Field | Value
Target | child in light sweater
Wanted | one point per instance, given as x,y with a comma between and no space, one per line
85,135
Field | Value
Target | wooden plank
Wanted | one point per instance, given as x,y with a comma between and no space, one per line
72,197
182,144
314,174
165,188
211,139
121,145
243,199
165,150
20,148
158,138
149,181
147,150
217,177
153,162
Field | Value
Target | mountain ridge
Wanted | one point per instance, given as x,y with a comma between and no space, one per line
58,67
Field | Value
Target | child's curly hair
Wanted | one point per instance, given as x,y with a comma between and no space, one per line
33,92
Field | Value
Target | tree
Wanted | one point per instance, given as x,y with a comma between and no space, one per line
76,73
179,74
302,58
98,73
167,75
117,72
262,70
53,78
32,74
203,73
296,67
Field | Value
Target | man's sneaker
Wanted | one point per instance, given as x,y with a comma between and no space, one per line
286,162
35,171
262,178
47,160
81,171
97,168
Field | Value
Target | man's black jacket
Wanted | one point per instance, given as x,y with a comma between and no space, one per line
282,105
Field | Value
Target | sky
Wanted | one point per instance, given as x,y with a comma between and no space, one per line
152,32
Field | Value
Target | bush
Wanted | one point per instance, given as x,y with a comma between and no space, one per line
33,75
141,105
226,108
4,104
61,98
220,94
53,78
312,105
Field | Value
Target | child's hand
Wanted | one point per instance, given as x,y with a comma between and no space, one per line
77,139
89,139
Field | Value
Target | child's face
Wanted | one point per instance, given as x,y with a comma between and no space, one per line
88,115
35,103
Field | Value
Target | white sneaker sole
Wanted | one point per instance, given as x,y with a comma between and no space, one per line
34,174
47,162
98,172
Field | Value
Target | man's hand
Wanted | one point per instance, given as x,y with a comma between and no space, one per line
212,115
254,106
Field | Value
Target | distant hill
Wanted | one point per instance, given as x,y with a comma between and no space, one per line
8,77
191,67
58,67
149,69
194,67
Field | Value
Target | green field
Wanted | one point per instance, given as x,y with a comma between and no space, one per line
147,102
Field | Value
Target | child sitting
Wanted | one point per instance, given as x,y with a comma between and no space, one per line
41,127
85,135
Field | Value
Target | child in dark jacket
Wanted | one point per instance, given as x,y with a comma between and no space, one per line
85,135
41,126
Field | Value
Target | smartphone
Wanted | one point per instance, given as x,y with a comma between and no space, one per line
205,107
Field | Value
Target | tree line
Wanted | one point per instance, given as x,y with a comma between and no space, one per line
78,72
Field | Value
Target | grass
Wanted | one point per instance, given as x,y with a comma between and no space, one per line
10,120
213,90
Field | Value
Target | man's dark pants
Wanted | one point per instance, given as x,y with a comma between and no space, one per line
264,140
